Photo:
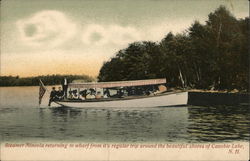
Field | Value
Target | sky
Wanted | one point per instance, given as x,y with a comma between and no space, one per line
41,37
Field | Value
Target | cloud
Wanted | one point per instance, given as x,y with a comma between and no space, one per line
120,36
46,28
51,28
123,35
96,34
159,31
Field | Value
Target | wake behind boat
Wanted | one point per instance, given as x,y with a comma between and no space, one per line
136,93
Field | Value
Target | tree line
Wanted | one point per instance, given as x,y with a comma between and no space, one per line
213,55
34,81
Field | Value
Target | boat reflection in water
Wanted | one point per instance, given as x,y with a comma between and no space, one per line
116,124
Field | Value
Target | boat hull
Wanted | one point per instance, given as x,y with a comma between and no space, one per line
174,99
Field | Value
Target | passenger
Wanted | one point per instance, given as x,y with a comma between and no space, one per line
92,91
125,92
149,93
83,92
90,95
52,96
106,93
120,93
82,97
65,87
157,92
98,95
75,94
70,95
60,93
161,89
105,96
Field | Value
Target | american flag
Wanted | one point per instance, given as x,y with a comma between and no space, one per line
42,90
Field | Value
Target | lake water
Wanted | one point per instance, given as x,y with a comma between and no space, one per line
21,119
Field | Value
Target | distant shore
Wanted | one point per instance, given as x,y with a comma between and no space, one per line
10,81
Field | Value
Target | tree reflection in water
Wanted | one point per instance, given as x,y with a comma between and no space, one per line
221,123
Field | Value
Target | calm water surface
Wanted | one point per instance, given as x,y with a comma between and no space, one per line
21,119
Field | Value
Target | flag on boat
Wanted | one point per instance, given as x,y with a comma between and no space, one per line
42,91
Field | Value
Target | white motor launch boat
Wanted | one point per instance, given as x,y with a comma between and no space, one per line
153,93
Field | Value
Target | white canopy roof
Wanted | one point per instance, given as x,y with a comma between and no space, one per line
118,83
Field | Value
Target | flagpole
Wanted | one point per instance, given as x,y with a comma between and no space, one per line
43,84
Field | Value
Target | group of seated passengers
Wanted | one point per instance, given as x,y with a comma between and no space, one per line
146,91
92,94
85,94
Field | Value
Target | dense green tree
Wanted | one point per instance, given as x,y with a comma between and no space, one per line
213,55
123,66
